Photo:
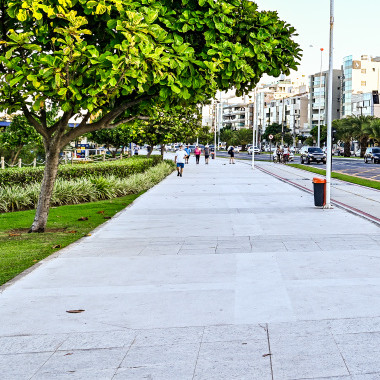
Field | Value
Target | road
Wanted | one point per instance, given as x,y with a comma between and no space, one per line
349,166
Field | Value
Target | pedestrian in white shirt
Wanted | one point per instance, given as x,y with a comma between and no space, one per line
179,159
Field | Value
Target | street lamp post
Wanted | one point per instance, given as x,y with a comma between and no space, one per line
329,110
320,100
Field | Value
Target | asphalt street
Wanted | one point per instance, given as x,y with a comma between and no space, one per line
350,166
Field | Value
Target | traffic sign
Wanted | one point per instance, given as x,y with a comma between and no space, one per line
270,137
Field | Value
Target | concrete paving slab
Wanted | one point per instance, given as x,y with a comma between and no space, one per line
22,366
170,336
298,357
233,360
63,362
361,351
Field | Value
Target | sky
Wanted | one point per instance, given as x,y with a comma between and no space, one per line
355,30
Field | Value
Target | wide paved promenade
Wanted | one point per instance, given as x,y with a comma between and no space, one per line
222,274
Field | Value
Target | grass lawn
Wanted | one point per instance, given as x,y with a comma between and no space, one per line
20,250
342,177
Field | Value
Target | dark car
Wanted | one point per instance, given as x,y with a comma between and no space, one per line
312,153
372,155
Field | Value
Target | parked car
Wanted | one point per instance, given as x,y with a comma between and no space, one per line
254,149
312,153
372,155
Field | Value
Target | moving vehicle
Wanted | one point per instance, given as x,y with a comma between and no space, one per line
372,155
312,154
254,149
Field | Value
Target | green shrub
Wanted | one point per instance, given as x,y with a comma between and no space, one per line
118,168
81,190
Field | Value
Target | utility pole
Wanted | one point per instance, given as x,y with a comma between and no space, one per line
329,110
320,101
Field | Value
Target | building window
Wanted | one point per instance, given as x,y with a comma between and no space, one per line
364,83
364,71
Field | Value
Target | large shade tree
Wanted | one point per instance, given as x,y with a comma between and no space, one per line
179,124
111,138
16,136
121,56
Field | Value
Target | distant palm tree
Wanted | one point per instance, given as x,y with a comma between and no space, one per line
374,130
359,126
344,132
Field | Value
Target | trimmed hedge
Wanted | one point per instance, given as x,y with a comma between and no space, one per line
81,190
118,168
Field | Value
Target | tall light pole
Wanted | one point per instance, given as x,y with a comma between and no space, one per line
320,101
329,109
254,123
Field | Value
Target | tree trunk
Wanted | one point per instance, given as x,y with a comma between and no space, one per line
14,156
150,150
162,150
47,186
347,149
363,146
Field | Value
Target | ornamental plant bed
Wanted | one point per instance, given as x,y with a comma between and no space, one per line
119,168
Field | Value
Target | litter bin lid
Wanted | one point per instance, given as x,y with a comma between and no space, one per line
319,180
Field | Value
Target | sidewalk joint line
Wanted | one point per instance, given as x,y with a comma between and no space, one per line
199,350
270,351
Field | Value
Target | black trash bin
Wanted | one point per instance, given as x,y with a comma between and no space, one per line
319,192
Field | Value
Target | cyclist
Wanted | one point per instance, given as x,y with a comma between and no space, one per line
285,154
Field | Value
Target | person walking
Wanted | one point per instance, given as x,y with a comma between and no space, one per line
207,154
179,159
231,152
197,153
188,151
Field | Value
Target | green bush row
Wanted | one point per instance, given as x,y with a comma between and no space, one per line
118,168
81,190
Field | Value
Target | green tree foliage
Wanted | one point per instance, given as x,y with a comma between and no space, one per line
17,136
120,57
275,129
323,135
116,138
242,137
226,135
360,129
344,133
374,130
179,124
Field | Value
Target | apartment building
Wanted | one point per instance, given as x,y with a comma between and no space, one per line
236,116
360,76
291,112
318,97
366,104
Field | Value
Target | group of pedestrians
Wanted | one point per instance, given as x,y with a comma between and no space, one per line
283,154
182,156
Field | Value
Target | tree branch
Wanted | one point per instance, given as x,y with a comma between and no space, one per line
39,127
103,123
124,121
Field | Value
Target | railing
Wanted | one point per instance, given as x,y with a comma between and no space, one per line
63,161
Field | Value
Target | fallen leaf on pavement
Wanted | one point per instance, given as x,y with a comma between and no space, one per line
69,353
75,311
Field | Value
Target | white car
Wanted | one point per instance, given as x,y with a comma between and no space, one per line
254,149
